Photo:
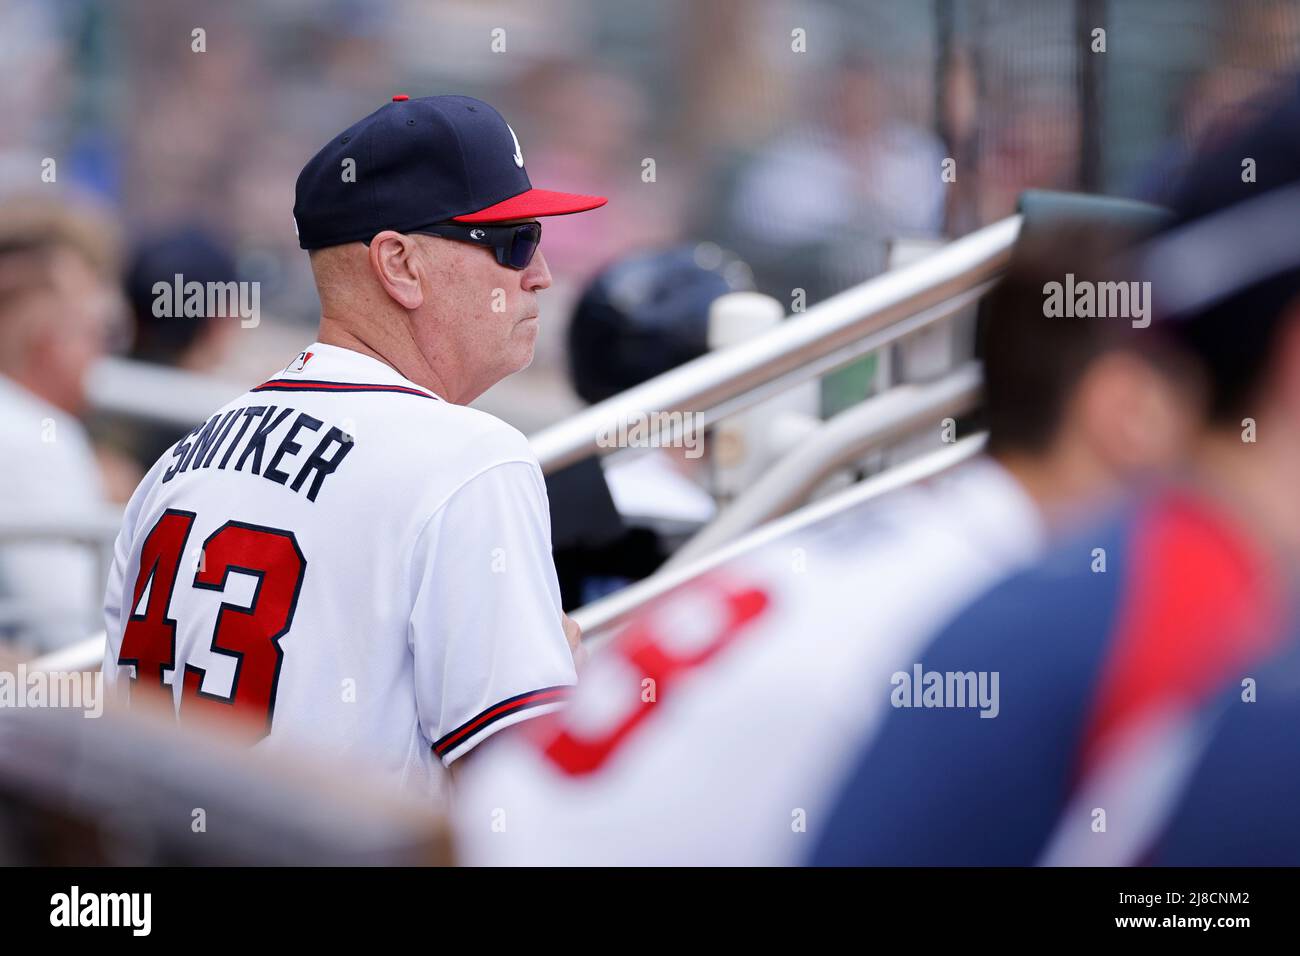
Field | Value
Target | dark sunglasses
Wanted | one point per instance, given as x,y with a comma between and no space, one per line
514,245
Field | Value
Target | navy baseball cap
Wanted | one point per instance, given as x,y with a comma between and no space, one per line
1226,273
416,162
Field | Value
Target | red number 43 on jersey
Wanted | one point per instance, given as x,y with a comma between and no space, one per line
251,635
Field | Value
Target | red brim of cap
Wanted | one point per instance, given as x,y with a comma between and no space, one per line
534,203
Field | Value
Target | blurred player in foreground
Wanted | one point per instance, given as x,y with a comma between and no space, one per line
1148,670
347,556
715,729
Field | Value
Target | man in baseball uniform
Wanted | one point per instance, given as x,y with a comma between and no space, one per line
347,558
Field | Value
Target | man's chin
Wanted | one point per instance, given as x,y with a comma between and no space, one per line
526,358
526,333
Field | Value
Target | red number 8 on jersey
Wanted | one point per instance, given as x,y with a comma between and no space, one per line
731,609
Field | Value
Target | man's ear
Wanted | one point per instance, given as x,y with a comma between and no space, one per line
1130,413
394,259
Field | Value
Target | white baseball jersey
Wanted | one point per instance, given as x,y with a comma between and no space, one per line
48,470
715,729
350,564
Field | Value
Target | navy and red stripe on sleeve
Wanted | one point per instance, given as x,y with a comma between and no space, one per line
481,721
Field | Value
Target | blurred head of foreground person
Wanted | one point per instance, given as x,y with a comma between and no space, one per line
56,303
1148,669
761,673
1079,409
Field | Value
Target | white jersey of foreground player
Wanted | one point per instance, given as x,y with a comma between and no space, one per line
715,729
353,565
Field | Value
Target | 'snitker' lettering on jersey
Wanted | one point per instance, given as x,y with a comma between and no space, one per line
200,447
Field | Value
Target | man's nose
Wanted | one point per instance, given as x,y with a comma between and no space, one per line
538,275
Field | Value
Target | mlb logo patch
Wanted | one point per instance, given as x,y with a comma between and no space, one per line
298,364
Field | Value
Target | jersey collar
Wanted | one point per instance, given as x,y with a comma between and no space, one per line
321,364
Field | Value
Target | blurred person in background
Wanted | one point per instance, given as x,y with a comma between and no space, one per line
716,727
57,303
197,344
1149,667
607,122
814,208
1033,140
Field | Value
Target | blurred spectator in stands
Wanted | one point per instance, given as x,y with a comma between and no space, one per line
606,121
56,308
35,93
814,208
1034,142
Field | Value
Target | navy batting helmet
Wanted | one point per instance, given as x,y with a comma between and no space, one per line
646,314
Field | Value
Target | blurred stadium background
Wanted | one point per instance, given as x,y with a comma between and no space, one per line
710,90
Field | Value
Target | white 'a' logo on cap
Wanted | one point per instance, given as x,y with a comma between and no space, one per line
519,153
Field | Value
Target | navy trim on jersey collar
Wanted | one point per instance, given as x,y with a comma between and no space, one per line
319,385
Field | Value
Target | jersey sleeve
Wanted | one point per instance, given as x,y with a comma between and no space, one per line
485,627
